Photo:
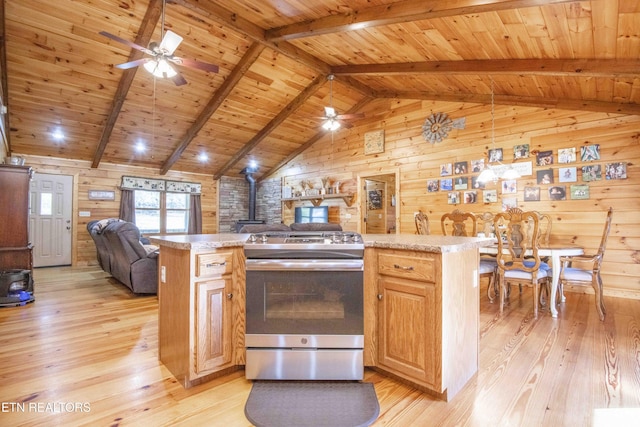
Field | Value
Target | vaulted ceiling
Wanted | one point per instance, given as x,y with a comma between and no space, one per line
274,57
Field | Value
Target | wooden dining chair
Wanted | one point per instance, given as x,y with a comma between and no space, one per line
458,223
590,271
518,259
422,223
485,224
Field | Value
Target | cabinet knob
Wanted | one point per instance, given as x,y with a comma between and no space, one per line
229,296
380,297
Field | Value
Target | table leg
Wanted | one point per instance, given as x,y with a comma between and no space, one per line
555,281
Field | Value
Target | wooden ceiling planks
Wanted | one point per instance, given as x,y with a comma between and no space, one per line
60,70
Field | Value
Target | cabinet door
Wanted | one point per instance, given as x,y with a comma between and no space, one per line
214,346
408,344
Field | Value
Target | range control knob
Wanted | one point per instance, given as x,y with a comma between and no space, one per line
264,238
253,238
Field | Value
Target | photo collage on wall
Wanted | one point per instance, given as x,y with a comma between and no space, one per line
571,182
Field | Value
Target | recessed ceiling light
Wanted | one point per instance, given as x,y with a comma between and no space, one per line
140,147
203,157
57,134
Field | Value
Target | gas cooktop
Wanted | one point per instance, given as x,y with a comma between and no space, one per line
304,244
312,237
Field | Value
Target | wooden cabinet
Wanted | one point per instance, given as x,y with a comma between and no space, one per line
201,312
426,317
15,248
408,316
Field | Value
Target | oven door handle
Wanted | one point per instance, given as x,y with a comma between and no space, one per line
305,265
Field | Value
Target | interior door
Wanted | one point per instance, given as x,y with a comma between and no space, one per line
376,207
50,219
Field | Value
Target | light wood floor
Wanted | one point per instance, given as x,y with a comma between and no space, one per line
87,349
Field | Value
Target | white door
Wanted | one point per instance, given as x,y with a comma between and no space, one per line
50,219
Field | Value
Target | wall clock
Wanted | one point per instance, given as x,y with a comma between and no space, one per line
374,142
438,125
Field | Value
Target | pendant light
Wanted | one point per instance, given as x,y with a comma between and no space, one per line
488,174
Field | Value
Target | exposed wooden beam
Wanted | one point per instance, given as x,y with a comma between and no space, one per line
355,109
395,13
275,122
214,11
555,67
250,56
149,22
525,101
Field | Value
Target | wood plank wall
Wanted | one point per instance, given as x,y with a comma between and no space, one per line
577,222
109,177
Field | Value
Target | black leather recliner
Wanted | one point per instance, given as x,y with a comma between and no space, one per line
122,254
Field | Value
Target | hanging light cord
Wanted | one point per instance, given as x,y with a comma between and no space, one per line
493,117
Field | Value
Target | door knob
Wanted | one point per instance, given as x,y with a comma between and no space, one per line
229,296
380,297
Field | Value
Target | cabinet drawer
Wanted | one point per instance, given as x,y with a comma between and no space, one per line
213,264
407,266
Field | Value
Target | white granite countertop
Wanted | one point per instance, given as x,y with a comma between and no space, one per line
431,243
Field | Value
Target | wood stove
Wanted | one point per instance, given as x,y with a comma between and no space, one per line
304,306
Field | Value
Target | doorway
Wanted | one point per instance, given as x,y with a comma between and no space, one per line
50,228
379,204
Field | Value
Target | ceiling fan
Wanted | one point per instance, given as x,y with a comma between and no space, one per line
331,117
162,56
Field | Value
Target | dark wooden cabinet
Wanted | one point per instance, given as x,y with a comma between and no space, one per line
15,249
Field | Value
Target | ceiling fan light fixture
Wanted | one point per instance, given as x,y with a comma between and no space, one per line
331,125
160,68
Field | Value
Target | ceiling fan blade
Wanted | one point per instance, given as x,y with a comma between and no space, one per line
350,116
132,64
178,79
170,42
128,43
191,63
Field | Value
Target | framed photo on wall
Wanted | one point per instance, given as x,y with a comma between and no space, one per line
531,194
490,196
544,176
460,168
453,197
579,192
592,173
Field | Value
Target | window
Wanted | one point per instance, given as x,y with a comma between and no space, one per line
161,212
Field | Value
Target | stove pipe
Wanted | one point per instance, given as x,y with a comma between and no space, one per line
248,175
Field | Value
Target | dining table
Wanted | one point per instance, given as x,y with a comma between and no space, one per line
555,252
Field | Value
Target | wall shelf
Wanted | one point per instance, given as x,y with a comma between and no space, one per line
348,198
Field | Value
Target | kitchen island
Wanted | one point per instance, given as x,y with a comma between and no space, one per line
421,307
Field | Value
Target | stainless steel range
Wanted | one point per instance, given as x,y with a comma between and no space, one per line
304,306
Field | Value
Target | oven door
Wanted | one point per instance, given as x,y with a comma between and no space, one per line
294,303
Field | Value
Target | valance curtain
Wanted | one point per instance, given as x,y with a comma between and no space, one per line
128,205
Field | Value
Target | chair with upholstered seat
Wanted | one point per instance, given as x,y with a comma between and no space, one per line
590,273
459,223
518,259
422,223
